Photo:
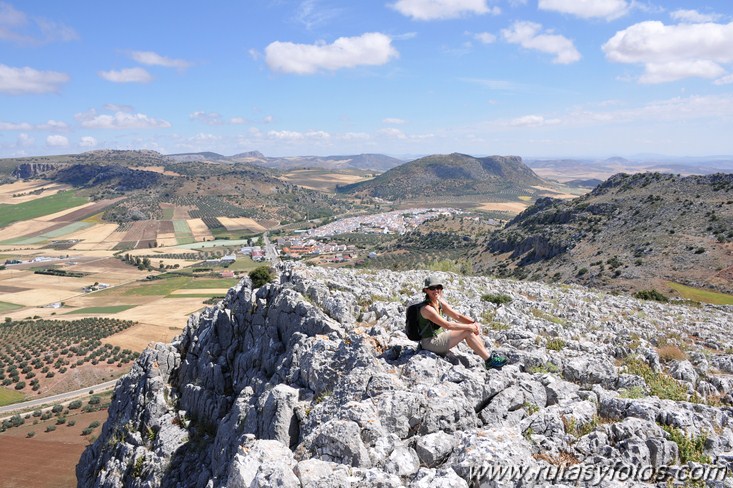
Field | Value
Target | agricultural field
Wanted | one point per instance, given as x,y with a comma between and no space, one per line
57,436
39,207
36,355
325,180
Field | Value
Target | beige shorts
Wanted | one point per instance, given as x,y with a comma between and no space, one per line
438,344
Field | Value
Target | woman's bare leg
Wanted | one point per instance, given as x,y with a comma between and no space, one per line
474,342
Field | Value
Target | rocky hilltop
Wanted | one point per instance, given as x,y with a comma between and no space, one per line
630,232
453,174
311,382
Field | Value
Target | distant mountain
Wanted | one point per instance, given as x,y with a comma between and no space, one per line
449,174
632,231
200,156
376,162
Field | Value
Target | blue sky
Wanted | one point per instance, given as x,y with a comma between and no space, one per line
534,78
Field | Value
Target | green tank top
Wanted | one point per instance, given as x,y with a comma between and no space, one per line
426,327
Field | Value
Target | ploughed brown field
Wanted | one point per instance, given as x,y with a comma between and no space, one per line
48,459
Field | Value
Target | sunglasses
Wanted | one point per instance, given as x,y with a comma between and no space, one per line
437,287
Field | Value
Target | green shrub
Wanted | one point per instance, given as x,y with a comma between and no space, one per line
261,275
496,298
660,384
50,428
690,449
555,344
651,295
75,404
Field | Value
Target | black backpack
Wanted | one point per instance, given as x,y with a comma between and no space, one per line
412,321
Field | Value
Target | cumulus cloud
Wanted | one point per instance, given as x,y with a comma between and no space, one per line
127,75
214,118
119,120
485,37
693,16
371,48
24,140
442,9
50,125
393,121
87,141
532,121
295,136
57,141
151,58
673,52
587,9
392,133
21,81
529,36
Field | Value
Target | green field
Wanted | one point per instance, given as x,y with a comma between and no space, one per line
39,207
7,307
8,396
183,232
103,310
701,295
166,286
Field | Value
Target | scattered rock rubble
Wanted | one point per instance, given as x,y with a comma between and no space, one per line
311,382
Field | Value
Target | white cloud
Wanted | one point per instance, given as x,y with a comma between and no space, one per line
485,37
393,121
392,133
587,9
53,124
114,107
532,121
268,119
87,141
214,118
669,110
295,136
442,9
312,15
57,141
127,75
151,58
24,140
15,126
371,48
527,35
19,81
120,120
725,80
18,27
673,52
693,16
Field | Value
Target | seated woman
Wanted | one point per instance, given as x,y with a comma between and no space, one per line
439,335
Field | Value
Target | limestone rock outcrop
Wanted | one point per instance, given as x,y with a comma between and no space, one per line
311,382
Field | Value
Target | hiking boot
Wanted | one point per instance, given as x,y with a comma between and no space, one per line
495,361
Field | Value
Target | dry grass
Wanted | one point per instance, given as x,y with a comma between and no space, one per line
671,352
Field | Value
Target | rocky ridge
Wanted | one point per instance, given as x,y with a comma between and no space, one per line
311,382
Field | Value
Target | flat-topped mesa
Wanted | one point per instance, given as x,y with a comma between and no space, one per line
311,381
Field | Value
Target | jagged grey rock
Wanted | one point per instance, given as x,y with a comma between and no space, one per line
310,381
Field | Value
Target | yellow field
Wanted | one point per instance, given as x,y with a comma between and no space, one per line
159,321
513,207
19,229
200,230
557,194
241,223
158,169
92,237
7,191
